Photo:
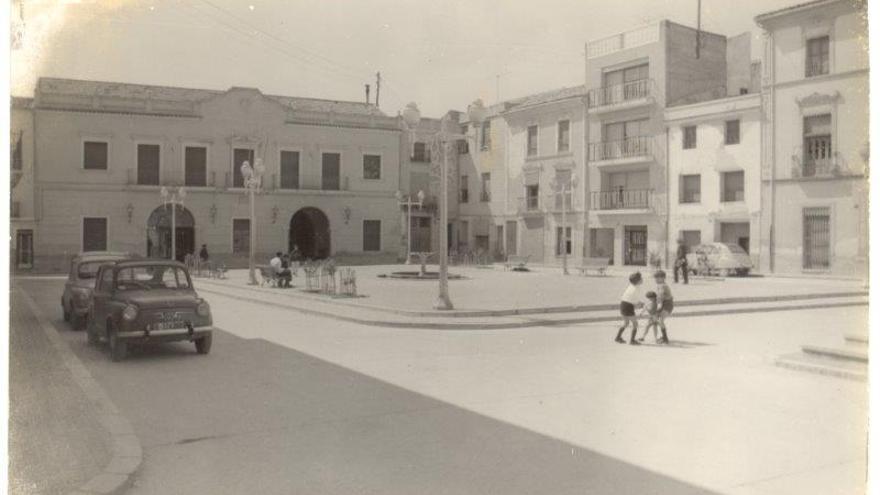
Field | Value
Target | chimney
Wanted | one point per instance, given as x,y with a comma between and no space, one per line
367,91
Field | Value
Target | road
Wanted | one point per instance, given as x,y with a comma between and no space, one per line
287,403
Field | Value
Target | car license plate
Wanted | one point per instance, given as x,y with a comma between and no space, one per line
166,325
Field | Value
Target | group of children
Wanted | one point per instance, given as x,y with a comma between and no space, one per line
658,308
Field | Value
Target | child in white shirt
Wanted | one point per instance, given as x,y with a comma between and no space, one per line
630,299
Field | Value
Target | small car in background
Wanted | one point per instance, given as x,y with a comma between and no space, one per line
142,301
718,258
81,281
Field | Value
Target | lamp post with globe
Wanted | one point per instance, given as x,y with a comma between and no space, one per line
253,178
174,199
444,139
564,189
409,203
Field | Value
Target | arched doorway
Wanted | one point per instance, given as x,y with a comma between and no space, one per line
159,232
310,232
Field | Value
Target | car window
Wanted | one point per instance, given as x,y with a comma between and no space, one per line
735,248
106,279
150,277
89,269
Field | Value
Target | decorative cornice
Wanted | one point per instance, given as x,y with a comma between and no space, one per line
816,99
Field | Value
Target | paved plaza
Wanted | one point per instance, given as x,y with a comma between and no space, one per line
293,403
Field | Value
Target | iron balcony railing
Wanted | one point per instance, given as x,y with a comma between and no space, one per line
632,147
529,205
820,163
622,199
621,93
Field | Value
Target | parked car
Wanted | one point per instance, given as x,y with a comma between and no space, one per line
81,281
718,258
140,301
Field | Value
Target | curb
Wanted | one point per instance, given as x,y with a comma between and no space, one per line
127,455
480,313
523,324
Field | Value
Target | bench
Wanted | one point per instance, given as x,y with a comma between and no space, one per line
267,276
516,262
598,265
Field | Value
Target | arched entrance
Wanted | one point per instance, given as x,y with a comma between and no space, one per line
159,232
310,232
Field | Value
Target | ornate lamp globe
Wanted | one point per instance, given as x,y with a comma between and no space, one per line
421,196
412,115
476,111
246,170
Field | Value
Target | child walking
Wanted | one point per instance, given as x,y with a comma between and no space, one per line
653,311
664,296
628,301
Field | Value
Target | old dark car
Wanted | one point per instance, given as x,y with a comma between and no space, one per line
141,301
77,294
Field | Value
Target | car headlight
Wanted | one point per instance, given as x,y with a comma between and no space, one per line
130,312
203,309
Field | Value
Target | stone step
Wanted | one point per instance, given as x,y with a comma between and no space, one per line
837,353
854,338
811,363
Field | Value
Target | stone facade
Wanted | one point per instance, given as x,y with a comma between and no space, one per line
815,90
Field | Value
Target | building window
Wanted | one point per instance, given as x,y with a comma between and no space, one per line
195,166
290,170
372,167
239,156
689,137
625,84
330,163
532,141
95,234
372,235
563,243
421,153
241,235
485,187
463,146
731,132
486,135
691,238
464,195
148,164
817,238
817,56
733,186
16,158
532,197
95,155
24,248
563,136
817,145
689,190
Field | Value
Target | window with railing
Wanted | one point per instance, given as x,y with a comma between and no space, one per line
689,189
148,164
421,152
733,186
817,153
563,241
464,190
532,141
621,199
330,171
631,147
817,62
485,187
622,85
195,166
532,197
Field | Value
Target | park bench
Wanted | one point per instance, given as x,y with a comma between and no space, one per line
267,276
598,265
516,262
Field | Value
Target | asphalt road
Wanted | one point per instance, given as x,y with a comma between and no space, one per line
255,417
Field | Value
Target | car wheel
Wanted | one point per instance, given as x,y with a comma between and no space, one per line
203,345
76,321
91,333
118,347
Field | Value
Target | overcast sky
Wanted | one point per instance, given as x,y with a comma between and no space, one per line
440,53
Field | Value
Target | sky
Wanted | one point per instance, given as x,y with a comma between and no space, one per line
441,54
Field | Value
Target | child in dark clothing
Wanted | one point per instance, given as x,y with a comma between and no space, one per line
653,311
664,296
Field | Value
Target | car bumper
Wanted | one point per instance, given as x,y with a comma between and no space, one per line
168,335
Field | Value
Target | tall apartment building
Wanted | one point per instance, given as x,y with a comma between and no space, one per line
103,152
632,77
21,164
815,142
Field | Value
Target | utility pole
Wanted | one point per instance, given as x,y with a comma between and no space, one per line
367,90
699,9
378,83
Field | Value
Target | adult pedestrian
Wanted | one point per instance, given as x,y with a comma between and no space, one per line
681,262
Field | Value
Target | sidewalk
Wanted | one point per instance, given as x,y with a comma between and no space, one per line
55,440
363,311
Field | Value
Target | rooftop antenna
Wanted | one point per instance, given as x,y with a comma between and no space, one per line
699,9
378,83
367,91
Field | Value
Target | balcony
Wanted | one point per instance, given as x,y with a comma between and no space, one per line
820,165
623,199
529,206
630,150
620,96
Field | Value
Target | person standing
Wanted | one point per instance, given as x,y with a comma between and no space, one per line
681,262
666,303
630,299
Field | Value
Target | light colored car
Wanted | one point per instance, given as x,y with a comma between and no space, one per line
77,294
719,258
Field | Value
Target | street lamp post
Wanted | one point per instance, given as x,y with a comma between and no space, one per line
409,203
175,198
445,139
253,178
563,189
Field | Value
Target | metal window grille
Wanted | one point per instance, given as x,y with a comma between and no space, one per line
817,238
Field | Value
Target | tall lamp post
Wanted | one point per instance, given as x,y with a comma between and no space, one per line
409,203
562,189
173,198
253,179
444,139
